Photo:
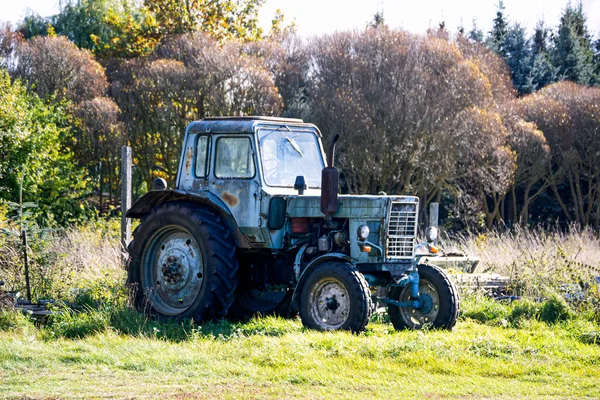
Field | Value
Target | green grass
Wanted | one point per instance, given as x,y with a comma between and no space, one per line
525,349
276,358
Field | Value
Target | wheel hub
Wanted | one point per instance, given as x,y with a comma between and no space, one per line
426,303
330,303
177,270
172,270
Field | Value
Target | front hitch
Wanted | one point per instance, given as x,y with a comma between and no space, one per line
411,280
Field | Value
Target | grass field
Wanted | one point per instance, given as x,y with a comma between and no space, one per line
276,358
539,347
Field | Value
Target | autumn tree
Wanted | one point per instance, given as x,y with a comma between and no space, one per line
54,66
102,135
189,77
420,112
568,114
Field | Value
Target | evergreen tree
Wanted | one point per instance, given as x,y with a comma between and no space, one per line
572,53
475,34
540,39
378,20
495,40
597,60
542,72
517,54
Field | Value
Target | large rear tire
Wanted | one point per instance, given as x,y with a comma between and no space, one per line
335,296
182,261
441,297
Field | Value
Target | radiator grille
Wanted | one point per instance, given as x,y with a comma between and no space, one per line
402,230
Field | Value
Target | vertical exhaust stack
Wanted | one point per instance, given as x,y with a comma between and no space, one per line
329,184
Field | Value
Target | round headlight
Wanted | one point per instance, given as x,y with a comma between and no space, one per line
363,232
431,234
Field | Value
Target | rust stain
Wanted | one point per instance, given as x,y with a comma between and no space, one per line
189,155
230,199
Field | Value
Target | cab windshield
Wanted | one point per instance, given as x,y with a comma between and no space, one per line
287,153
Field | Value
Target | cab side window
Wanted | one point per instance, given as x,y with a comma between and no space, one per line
202,157
234,158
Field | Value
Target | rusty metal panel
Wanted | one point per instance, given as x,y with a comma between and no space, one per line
242,196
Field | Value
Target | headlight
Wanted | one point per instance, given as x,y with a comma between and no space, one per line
363,232
431,234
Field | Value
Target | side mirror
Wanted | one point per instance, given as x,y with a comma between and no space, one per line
277,212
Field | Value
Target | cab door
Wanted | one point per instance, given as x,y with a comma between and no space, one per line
234,179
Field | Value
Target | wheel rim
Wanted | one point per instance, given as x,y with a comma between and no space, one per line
329,304
173,270
415,317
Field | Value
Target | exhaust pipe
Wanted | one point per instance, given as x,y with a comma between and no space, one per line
329,184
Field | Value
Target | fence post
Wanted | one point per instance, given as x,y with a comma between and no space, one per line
125,196
434,210
26,264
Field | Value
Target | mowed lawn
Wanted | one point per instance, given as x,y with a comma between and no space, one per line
274,358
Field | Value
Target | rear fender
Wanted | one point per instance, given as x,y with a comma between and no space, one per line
153,198
311,267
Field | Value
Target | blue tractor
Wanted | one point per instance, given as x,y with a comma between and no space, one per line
255,224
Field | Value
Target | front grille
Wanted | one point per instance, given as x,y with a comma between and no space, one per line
402,230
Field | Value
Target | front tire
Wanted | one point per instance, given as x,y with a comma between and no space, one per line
182,260
335,296
441,298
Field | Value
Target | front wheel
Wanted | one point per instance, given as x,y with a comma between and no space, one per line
440,298
335,296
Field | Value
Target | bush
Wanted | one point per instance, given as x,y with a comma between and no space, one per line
554,310
14,320
523,310
484,309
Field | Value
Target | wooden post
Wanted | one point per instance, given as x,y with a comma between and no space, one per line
125,196
26,264
434,210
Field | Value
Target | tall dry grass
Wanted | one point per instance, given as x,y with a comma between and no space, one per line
61,262
537,261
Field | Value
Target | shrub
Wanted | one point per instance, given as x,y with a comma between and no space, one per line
484,309
523,310
554,310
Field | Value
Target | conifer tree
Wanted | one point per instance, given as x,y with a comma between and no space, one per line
517,54
495,40
542,72
475,34
572,53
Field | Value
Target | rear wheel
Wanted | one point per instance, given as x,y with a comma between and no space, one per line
335,296
440,302
183,263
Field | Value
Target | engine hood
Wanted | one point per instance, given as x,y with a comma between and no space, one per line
349,206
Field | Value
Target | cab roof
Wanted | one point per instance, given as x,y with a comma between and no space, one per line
242,124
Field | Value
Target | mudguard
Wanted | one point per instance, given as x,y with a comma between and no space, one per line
311,267
153,198
147,202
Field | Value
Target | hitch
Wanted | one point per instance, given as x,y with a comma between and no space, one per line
424,303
